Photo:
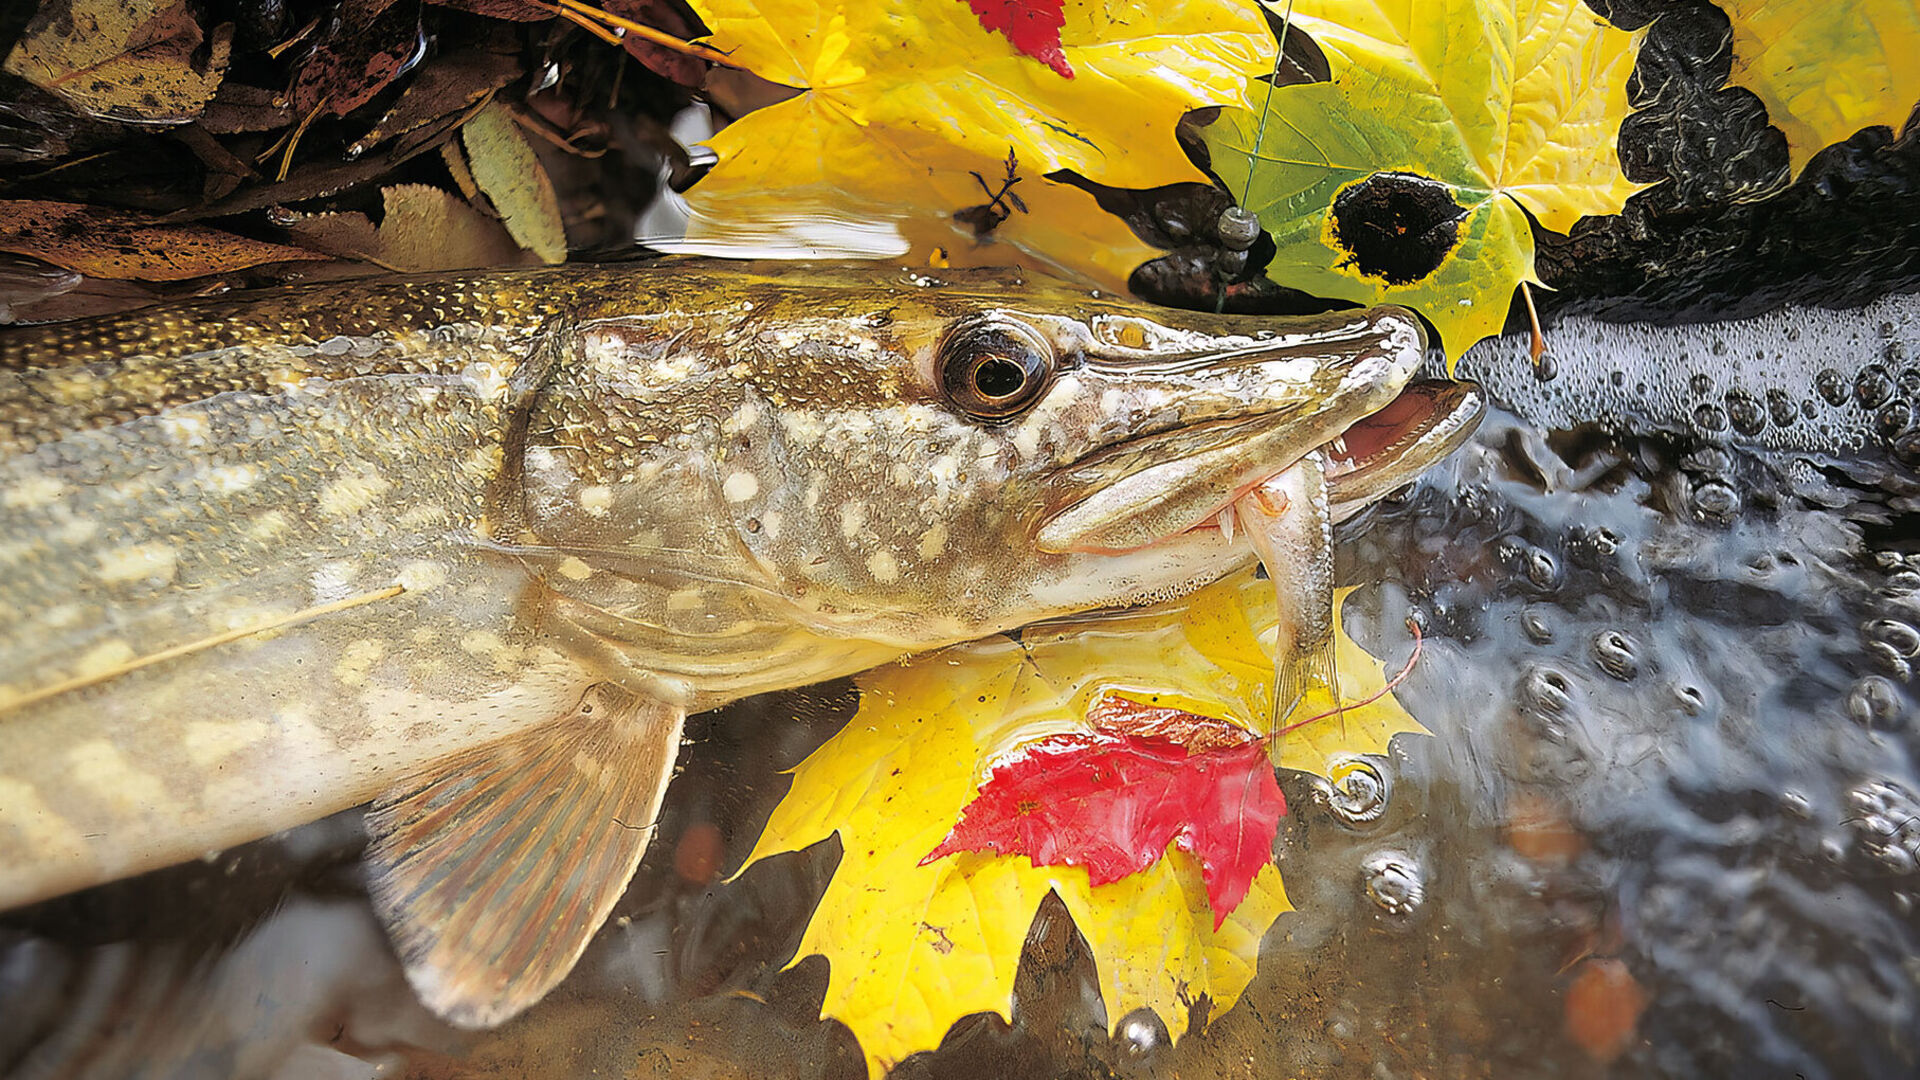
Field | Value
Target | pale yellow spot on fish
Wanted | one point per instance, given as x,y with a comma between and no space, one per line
482,643
32,492
484,462
944,471
853,518
933,542
186,428
422,516
287,380
883,566
60,616
357,661
1026,439
45,833
596,500
99,767
268,527
803,428
574,569
816,487
232,479
352,493
687,599
740,486
742,419
103,658
421,576
332,581
424,635
485,380
77,531
1111,402
208,743
151,561
73,386
902,474
771,522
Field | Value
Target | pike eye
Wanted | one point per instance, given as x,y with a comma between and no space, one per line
994,370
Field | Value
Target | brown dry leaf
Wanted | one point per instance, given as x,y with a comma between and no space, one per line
423,229
504,167
367,45
443,88
106,243
127,60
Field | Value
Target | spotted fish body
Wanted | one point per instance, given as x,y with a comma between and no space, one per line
437,541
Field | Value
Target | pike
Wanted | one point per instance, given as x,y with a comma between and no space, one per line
472,546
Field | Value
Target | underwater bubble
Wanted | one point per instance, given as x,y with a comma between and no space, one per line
1617,654
1689,698
1796,804
1745,413
1238,228
1781,408
1832,386
1874,702
1358,794
1139,1036
1909,380
1899,636
1547,689
1872,387
1715,500
1393,881
1885,819
1907,448
1542,569
1710,418
1893,419
1894,664
1534,624
1546,369
1700,382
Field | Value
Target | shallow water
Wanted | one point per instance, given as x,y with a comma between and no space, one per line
1666,669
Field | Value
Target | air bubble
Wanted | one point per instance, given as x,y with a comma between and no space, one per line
1874,703
1909,381
1781,408
1617,654
1542,569
1139,1036
1700,383
1710,418
1238,227
1796,804
1885,819
1745,413
1872,387
1358,794
1536,627
1689,698
1901,637
1393,882
1548,690
1832,386
1893,419
1715,500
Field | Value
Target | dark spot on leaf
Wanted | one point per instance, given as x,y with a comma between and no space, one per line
1397,226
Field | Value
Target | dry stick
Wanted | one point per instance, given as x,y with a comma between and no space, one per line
81,681
1377,695
568,9
1539,347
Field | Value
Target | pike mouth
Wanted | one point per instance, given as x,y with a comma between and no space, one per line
1371,457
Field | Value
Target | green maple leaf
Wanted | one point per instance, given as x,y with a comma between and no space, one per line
1408,177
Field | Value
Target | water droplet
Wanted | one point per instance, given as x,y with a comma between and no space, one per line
1781,408
1715,500
1874,702
1535,625
1710,418
1547,370
1745,413
1393,882
1239,227
1872,387
1832,386
1617,654
1542,569
1358,794
1700,383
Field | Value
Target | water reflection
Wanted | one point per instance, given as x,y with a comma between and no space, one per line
1669,826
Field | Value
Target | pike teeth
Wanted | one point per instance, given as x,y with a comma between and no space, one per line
1225,521
1339,445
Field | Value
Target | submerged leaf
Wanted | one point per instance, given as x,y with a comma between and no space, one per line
1032,25
1826,70
1408,178
128,60
106,243
504,167
423,229
915,947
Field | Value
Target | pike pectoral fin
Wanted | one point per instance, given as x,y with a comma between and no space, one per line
493,872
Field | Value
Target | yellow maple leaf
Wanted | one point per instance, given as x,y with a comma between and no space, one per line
913,948
1502,107
1825,70
902,101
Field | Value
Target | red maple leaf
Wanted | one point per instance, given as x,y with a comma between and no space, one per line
1112,799
1032,25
